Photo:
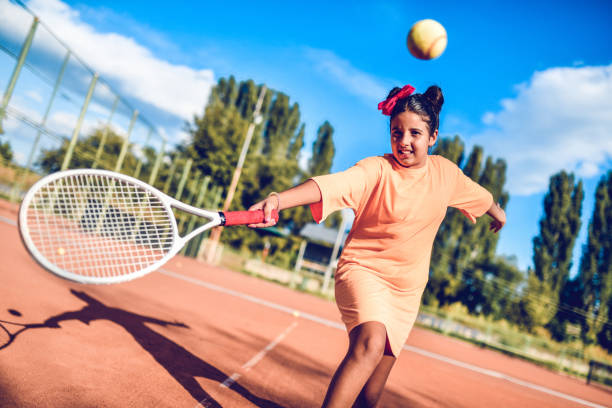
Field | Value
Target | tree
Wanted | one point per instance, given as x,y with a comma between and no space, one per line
490,288
554,245
320,163
568,311
85,150
272,159
322,151
466,248
595,272
6,152
537,304
217,140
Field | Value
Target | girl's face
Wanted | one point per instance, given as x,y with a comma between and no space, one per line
410,139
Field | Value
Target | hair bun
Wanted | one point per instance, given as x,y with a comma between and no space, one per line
393,92
435,97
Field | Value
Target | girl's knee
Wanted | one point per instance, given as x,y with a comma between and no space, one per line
369,347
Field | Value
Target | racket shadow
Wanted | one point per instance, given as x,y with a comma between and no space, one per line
180,363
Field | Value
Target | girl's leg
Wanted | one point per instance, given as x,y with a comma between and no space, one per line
371,392
366,347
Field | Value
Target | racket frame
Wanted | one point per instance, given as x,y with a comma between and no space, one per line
168,203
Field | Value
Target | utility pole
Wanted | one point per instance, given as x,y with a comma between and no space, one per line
215,234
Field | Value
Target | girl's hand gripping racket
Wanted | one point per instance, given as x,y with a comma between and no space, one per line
97,226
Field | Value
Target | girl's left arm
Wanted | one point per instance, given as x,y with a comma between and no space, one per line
498,215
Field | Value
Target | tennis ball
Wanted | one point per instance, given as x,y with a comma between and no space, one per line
426,39
61,251
296,313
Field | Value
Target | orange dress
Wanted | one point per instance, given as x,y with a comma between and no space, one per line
384,265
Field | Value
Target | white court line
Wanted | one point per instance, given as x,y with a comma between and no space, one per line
229,381
329,323
253,299
501,376
257,357
8,221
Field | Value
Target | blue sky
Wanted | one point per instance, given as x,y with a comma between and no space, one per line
528,81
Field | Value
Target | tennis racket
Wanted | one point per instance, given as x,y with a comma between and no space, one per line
10,330
97,226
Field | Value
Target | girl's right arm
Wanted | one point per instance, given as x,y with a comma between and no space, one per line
304,194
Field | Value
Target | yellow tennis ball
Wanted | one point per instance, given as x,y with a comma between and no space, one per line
61,251
427,39
296,313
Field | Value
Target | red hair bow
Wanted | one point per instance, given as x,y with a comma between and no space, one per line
388,104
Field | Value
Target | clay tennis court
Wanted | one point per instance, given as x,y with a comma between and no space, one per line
193,335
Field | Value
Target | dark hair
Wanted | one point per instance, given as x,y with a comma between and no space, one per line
427,105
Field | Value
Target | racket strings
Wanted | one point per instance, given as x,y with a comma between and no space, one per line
97,226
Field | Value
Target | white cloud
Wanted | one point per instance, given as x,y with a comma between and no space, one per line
177,89
98,109
304,159
183,136
561,119
19,157
63,123
34,95
352,79
10,125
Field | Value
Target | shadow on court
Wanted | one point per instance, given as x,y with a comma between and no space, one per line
176,360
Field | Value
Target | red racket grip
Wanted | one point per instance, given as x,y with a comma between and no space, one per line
245,217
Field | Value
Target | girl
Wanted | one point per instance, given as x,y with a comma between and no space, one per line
399,201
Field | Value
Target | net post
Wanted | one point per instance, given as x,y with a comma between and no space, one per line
77,128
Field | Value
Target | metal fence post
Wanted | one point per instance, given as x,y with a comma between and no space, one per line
43,122
158,160
105,133
181,186
126,142
170,175
139,165
192,220
298,264
17,70
332,259
77,128
189,200
20,180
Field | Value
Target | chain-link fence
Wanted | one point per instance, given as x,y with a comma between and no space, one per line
57,113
